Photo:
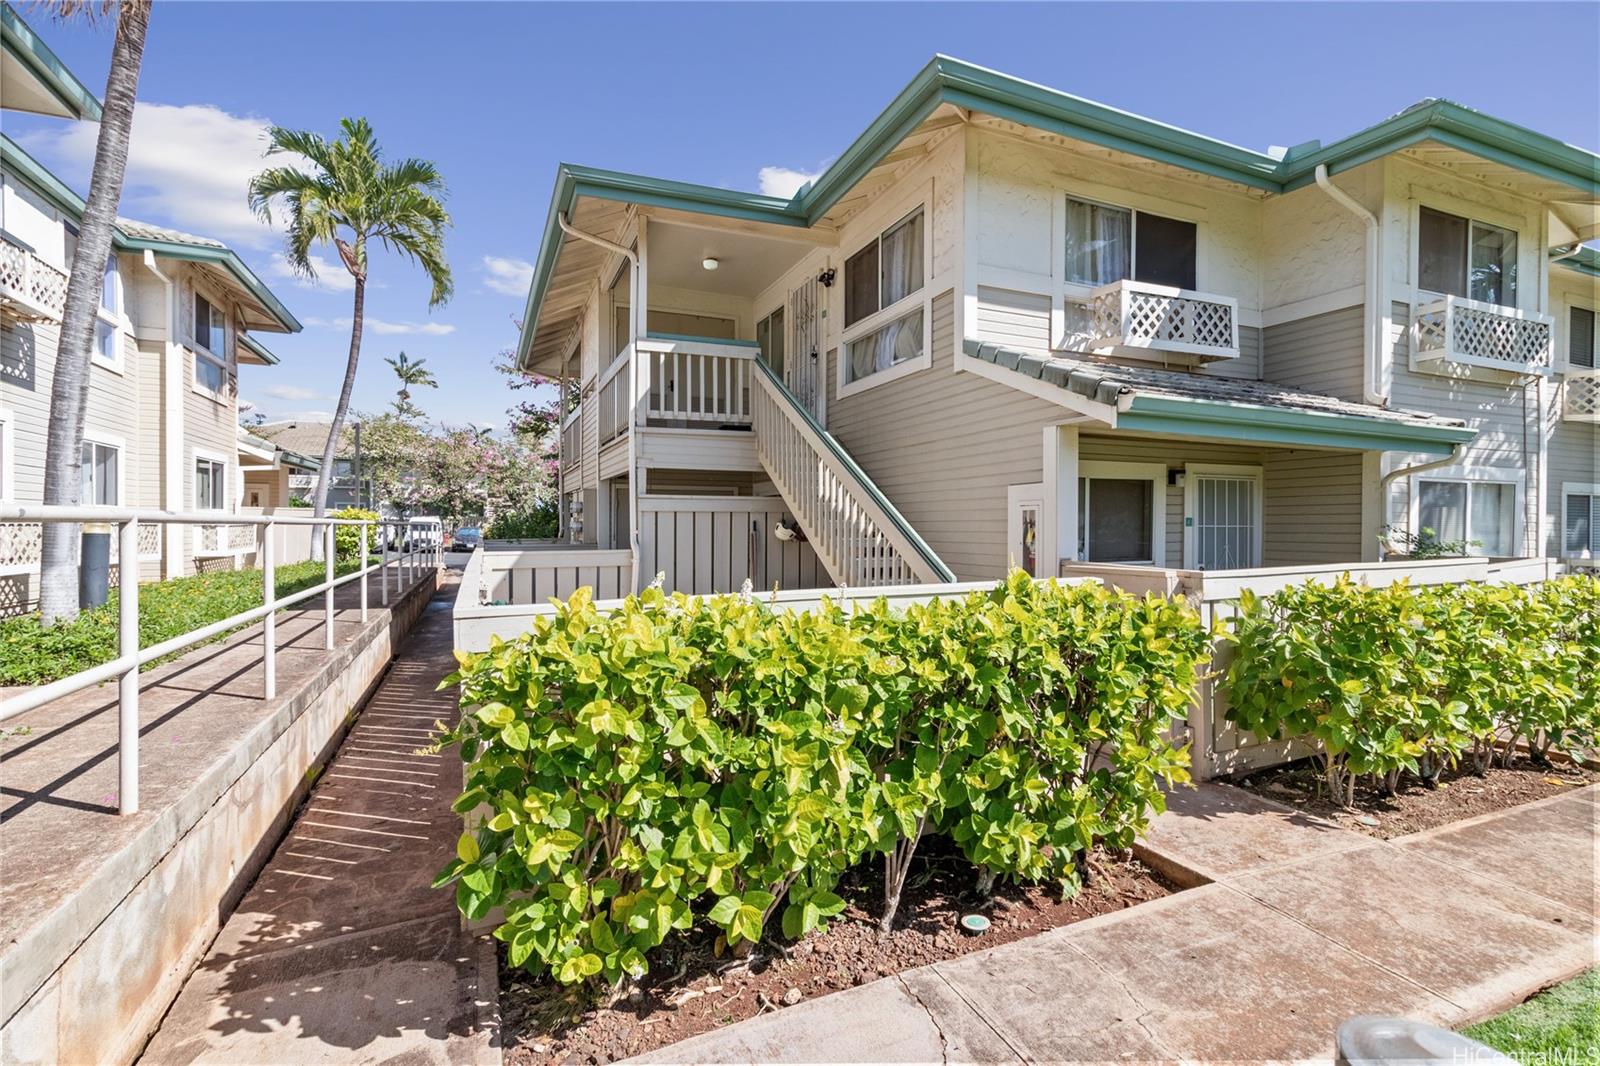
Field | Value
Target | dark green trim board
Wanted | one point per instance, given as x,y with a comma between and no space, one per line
905,528
20,42
260,350
945,80
1587,261
62,198
1252,424
684,338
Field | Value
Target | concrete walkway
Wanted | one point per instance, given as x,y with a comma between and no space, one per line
1296,926
340,952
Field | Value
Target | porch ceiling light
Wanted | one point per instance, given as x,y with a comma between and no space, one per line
710,262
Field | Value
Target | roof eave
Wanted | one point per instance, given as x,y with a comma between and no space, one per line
228,260
1279,426
20,40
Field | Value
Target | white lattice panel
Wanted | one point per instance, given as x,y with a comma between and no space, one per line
29,287
1132,314
1581,401
1476,334
19,545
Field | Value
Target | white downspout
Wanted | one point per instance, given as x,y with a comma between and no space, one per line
1405,471
633,383
1372,377
172,393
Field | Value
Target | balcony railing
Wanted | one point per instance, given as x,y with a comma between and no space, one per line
683,383
1470,333
1580,401
571,441
31,290
1135,314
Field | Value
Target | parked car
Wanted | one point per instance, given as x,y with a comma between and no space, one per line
466,539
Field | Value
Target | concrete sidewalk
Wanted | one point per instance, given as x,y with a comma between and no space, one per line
340,951
1296,926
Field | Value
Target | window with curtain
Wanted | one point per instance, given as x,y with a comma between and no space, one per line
1580,520
210,480
1460,257
1580,337
1106,244
1115,518
886,273
99,473
1481,513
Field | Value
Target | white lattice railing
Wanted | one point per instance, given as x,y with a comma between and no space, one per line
1135,314
860,540
1580,401
1471,333
30,288
20,546
224,539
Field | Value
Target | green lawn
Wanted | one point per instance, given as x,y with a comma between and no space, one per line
1561,1025
31,654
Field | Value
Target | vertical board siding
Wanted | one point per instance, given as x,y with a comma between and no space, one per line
713,544
1320,353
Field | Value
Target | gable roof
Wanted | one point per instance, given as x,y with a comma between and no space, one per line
1170,402
130,235
948,81
305,437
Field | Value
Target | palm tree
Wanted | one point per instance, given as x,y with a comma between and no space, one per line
411,372
69,393
351,198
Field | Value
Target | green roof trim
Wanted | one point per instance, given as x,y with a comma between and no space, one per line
945,80
70,203
905,528
259,349
19,40
1587,261
684,338
1254,424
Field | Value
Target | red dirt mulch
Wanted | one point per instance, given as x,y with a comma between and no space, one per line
1460,794
689,991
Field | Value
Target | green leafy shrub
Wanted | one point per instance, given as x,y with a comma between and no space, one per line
347,539
682,759
33,654
1409,679
540,522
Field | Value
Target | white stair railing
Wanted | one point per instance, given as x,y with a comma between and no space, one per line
859,536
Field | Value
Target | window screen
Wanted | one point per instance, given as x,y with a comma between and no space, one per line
1580,337
1164,251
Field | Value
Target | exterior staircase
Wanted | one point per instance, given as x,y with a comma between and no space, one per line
853,529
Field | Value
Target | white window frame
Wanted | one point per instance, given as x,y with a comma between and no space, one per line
202,454
8,455
1156,474
108,440
881,221
1470,476
1018,497
115,317
1578,488
1564,330
199,350
1472,212
1192,472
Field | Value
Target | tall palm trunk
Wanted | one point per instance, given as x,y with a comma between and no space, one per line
325,482
69,394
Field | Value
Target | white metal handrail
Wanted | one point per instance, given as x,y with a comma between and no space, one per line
419,542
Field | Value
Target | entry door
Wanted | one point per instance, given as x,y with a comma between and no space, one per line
804,370
1223,519
1026,503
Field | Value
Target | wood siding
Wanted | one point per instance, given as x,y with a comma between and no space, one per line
1321,353
711,544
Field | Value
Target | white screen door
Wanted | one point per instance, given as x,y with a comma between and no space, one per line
804,371
1224,520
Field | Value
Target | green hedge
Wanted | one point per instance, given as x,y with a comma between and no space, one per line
539,522
347,539
1414,678
710,759
33,654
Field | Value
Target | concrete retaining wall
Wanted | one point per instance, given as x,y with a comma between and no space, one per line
98,998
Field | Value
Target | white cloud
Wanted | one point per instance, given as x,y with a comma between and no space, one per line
382,326
296,393
509,276
331,275
784,182
188,167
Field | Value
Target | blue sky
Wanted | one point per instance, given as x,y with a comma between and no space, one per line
498,93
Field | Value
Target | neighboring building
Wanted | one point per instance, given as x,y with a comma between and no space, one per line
1010,324
350,487
271,473
162,422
